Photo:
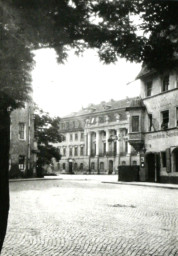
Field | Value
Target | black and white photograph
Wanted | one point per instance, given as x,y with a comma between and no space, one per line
89,127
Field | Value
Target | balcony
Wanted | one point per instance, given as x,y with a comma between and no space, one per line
111,153
136,140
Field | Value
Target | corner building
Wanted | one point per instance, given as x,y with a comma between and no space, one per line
153,126
86,148
23,147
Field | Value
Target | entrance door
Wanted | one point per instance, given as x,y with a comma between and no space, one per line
151,167
110,166
70,168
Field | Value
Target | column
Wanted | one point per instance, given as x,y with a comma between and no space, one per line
85,144
107,143
118,148
129,152
129,148
118,142
89,144
97,142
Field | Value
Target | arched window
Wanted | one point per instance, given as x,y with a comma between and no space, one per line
123,163
134,163
81,166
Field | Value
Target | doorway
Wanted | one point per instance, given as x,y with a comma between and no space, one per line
175,159
110,167
151,167
70,167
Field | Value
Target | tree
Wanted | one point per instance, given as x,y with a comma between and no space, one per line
105,25
47,134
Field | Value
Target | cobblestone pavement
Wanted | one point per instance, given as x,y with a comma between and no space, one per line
90,218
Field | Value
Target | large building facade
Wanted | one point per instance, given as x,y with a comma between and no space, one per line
96,139
23,147
153,126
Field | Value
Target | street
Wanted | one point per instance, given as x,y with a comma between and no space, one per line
86,217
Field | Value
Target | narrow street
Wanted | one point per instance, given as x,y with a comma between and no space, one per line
86,217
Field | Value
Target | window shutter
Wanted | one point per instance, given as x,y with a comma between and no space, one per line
168,159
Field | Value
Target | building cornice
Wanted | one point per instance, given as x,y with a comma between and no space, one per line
159,94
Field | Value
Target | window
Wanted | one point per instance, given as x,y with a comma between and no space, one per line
82,136
104,148
92,166
165,119
73,123
70,151
177,116
81,151
63,166
93,151
22,131
101,166
135,123
75,166
115,147
123,163
163,157
134,162
63,125
150,121
22,163
126,146
64,151
71,137
148,88
76,151
76,136
165,85
81,166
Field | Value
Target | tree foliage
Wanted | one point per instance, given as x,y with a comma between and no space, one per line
138,30
47,134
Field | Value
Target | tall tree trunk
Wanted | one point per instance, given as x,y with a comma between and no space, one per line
4,166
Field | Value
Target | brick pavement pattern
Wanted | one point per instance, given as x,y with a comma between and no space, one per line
89,218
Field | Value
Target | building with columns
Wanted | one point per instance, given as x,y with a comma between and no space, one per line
96,139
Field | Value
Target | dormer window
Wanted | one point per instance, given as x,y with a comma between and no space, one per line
165,85
148,88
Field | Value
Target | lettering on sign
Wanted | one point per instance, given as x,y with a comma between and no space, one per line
162,135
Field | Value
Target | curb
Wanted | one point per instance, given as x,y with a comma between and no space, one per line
35,179
143,185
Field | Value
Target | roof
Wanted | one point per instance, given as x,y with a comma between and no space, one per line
102,107
144,72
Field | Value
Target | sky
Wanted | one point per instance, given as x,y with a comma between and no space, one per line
61,89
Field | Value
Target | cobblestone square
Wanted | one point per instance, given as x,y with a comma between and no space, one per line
90,218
